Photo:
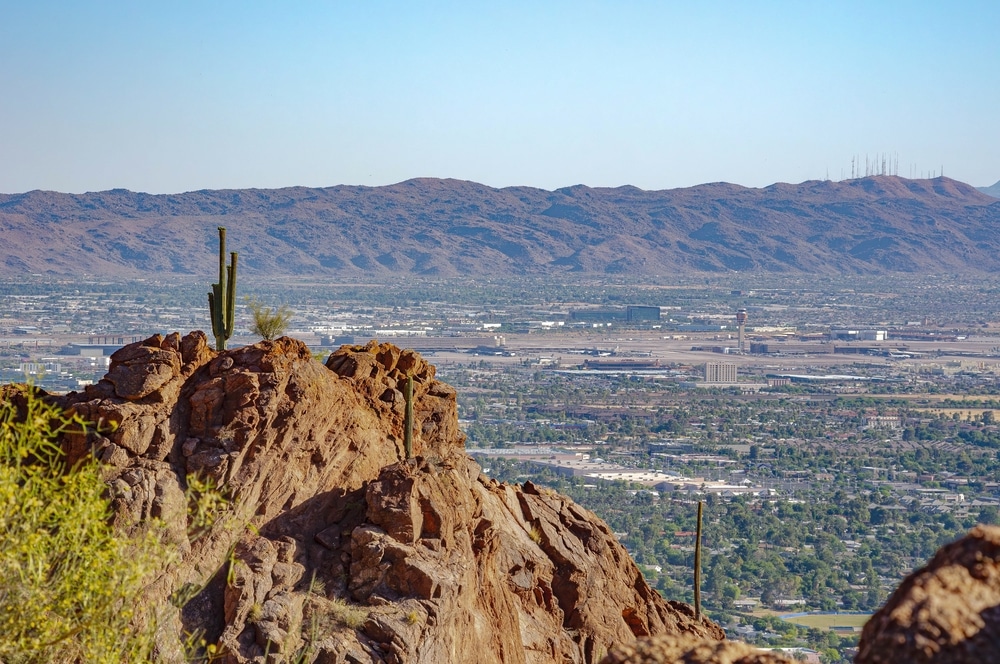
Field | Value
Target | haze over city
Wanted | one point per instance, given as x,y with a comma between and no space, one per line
190,96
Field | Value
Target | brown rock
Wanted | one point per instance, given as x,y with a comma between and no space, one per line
690,649
947,612
448,565
138,370
136,405
194,350
569,594
17,395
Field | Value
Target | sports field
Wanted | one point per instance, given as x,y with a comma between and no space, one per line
830,620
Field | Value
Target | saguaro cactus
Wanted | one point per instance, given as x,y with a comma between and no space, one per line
408,418
222,299
697,567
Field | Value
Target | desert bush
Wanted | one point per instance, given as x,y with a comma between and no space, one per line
346,614
67,581
269,323
70,586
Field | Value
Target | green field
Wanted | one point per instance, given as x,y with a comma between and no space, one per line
831,621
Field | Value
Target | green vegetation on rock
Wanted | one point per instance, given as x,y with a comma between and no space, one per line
268,322
68,582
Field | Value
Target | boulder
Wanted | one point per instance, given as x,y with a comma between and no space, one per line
691,649
945,613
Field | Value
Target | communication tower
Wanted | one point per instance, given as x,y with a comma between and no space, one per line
741,323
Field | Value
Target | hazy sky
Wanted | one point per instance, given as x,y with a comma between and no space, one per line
170,97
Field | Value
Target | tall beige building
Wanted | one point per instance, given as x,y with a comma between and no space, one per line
720,372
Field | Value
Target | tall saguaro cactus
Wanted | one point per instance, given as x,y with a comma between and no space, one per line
222,299
408,418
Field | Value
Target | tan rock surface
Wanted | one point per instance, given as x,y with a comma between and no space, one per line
945,613
690,649
338,548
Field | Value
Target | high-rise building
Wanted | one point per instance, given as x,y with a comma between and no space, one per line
720,372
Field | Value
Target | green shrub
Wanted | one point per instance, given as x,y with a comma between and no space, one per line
267,322
68,583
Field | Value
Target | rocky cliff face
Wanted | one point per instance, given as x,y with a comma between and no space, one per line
337,548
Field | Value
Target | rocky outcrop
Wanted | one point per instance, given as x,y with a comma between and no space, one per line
336,547
689,649
945,613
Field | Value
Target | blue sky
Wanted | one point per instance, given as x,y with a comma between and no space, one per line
170,97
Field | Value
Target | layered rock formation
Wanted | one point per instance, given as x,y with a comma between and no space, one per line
336,547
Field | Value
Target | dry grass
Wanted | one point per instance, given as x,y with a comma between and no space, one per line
330,614
317,587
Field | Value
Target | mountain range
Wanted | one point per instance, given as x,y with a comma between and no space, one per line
448,228
993,190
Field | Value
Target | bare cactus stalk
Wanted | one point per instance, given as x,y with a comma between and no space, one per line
697,567
408,419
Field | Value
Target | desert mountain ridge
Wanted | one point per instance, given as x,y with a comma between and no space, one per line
993,190
448,228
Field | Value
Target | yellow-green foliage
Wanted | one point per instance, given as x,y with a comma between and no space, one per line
67,582
317,587
346,614
255,614
330,614
205,503
267,322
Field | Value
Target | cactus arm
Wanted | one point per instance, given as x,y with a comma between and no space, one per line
230,315
222,259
